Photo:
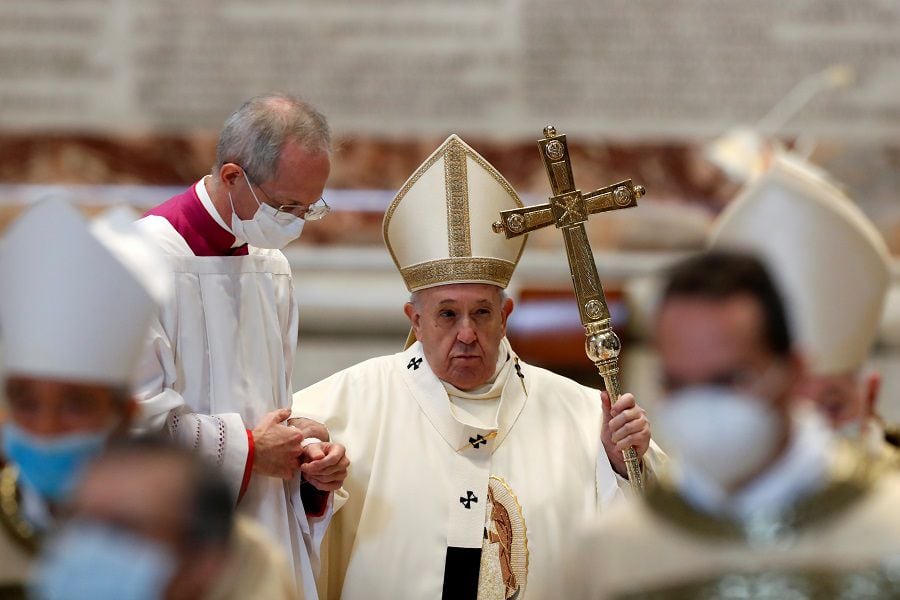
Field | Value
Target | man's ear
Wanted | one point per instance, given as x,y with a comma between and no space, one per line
412,314
506,310
230,174
872,385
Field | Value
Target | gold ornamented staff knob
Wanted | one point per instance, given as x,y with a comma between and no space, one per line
549,131
498,227
639,191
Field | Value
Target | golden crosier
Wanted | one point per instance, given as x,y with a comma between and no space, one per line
568,209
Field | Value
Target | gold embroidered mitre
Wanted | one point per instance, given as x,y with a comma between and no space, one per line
438,227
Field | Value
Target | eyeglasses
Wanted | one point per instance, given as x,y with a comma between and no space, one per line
314,212
285,212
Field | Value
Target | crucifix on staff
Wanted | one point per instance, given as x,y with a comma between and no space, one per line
568,209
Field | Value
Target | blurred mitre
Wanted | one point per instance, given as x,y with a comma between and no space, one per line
77,299
830,262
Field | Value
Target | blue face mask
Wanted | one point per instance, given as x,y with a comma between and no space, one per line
92,561
51,465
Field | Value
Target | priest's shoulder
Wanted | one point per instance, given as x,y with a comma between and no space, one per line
161,231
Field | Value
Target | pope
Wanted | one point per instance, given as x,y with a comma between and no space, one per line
472,468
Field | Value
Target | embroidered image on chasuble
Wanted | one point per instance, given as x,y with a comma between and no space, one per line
505,545
456,494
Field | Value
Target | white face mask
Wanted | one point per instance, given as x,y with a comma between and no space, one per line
269,228
722,434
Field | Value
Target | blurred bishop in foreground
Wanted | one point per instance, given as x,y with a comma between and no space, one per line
74,314
150,520
832,266
761,501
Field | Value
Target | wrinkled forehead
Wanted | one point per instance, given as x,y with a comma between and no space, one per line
462,293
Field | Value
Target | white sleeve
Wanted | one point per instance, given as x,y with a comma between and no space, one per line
611,485
221,439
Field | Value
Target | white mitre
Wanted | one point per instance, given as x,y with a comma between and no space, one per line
438,228
827,258
77,300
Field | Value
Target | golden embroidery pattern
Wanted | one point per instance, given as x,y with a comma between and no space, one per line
476,269
457,189
10,516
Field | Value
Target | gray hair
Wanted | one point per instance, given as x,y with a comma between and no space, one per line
254,135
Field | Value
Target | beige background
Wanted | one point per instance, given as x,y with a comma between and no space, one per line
619,68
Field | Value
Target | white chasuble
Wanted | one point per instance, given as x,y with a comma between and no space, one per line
221,358
440,507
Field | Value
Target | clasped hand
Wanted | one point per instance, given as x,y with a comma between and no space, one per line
279,451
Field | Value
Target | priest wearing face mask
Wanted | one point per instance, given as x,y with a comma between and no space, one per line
151,521
833,267
217,374
74,318
761,501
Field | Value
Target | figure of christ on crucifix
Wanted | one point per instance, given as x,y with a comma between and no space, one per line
568,209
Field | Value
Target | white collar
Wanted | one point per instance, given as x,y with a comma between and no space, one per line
431,395
801,470
207,203
493,387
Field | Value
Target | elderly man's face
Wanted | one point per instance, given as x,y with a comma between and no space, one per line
54,408
460,327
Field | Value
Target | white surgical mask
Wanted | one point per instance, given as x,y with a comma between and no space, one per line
269,228
723,434
92,561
